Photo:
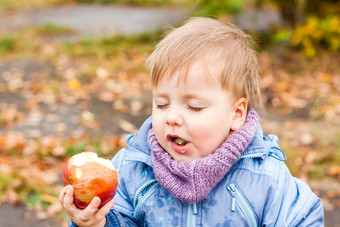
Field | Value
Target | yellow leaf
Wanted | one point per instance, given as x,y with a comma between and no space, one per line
309,51
334,24
296,39
334,171
326,78
48,198
281,86
74,84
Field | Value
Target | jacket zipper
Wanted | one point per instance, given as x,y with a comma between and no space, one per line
191,217
238,198
150,187
257,155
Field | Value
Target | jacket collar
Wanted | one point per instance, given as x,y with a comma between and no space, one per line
262,145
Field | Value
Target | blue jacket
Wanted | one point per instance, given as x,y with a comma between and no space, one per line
258,191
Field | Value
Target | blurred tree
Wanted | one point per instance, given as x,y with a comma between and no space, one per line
288,11
313,7
295,11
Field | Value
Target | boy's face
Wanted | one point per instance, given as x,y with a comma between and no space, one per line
191,118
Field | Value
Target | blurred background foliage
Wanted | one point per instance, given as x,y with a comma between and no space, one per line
305,40
308,26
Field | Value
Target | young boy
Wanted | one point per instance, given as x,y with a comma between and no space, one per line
202,159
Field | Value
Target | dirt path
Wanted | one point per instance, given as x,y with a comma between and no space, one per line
15,216
91,21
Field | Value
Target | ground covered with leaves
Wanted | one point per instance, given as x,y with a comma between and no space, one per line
60,98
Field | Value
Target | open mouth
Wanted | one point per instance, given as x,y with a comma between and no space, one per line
179,141
178,144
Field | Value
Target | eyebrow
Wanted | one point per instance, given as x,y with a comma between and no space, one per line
194,96
185,96
159,94
190,96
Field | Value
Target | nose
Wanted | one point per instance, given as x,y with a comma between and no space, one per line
173,117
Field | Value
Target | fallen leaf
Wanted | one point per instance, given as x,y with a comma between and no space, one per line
127,126
74,84
334,171
50,199
102,73
107,96
13,197
333,194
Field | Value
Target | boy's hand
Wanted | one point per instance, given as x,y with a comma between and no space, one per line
90,216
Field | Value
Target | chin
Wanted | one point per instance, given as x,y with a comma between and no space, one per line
182,158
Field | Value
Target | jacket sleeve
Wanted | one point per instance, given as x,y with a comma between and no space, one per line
122,211
294,204
115,219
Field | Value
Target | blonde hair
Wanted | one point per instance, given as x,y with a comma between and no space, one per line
206,40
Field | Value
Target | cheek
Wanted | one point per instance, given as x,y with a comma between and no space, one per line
157,128
209,123
211,132
201,131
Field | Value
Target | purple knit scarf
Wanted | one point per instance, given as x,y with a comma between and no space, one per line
192,181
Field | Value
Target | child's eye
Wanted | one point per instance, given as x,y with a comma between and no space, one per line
196,109
161,106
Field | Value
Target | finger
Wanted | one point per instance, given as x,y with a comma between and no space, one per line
92,207
68,196
62,194
102,212
66,199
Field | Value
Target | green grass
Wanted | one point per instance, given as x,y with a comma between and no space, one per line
21,4
7,44
134,2
218,8
117,45
76,148
53,29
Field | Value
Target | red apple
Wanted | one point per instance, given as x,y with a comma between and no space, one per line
90,176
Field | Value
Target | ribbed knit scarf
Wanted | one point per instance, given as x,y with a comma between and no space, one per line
192,181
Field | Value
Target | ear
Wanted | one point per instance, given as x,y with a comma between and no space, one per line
239,114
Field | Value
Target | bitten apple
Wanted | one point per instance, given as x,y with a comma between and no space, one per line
90,176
